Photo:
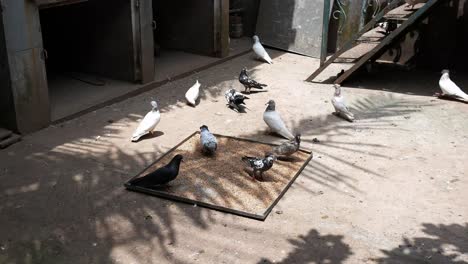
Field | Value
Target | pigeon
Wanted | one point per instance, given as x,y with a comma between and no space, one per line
274,121
412,3
161,175
260,51
192,94
450,89
249,83
208,141
388,26
259,164
289,147
148,123
340,105
235,99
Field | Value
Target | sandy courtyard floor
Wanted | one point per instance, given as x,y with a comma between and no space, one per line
389,188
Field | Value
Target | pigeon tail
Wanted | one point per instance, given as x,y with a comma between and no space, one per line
348,116
210,147
136,137
286,134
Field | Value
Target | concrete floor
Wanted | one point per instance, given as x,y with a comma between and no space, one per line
69,95
389,188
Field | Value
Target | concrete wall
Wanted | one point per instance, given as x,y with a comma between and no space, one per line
26,64
7,107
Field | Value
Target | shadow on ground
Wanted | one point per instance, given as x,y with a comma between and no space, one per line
444,244
397,80
316,248
63,199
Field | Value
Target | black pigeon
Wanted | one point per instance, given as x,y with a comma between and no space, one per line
249,83
235,99
160,176
259,164
388,26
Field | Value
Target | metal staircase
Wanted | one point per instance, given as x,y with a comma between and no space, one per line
8,138
370,43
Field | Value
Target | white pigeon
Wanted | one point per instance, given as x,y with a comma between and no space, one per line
274,121
338,102
260,50
450,89
148,123
192,94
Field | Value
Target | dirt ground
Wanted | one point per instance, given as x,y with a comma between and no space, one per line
389,188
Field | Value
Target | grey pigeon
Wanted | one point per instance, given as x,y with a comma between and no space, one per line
259,165
289,147
208,141
161,175
274,121
249,83
339,104
235,99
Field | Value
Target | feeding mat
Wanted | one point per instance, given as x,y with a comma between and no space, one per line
221,182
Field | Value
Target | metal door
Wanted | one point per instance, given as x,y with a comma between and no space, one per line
142,23
200,27
293,25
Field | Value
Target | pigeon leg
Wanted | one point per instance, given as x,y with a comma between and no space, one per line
254,175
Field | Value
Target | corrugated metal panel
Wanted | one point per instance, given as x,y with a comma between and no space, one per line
293,25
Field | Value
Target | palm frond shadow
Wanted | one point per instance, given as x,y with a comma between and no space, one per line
316,248
442,243
339,139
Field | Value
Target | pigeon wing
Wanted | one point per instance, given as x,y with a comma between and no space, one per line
160,176
258,164
340,106
147,124
274,121
192,94
287,148
261,52
450,88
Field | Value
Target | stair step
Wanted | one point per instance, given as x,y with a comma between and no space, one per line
9,141
402,12
4,133
370,42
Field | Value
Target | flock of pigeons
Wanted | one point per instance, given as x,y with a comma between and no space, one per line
236,101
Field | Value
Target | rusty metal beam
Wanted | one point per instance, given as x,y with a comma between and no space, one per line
352,42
